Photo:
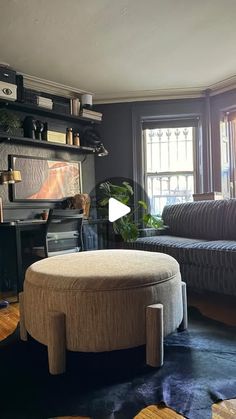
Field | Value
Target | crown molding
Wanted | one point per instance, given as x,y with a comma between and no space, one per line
167,94
53,88
223,86
58,89
146,95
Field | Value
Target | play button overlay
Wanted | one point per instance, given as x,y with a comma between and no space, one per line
116,209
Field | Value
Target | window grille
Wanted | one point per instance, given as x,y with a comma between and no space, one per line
169,164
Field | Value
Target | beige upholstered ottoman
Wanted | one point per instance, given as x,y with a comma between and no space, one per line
103,300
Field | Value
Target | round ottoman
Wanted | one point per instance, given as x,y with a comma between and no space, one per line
102,300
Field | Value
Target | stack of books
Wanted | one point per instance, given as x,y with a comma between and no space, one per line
88,113
74,106
44,102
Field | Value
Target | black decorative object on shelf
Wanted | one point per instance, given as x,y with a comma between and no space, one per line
39,130
29,127
45,132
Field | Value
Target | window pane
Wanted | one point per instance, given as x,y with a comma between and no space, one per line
169,149
169,166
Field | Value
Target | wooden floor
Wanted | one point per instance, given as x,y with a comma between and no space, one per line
215,306
9,318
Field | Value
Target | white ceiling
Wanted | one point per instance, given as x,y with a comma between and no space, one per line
121,48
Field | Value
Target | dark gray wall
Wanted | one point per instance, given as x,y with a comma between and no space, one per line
116,131
121,132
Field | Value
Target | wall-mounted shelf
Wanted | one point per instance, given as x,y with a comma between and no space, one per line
33,109
45,144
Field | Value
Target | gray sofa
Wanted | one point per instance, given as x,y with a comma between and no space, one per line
201,236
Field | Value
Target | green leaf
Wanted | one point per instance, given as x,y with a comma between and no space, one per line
143,204
146,218
129,187
119,192
105,187
126,228
153,221
103,202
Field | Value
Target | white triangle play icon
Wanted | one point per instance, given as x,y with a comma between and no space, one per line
116,209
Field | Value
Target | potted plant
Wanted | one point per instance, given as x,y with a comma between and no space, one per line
9,122
127,227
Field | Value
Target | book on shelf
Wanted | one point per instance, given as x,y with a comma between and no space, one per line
56,137
44,102
94,118
74,106
91,112
89,115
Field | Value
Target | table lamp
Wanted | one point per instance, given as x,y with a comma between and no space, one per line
7,177
92,138
101,150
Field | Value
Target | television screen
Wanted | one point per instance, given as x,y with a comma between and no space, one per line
45,179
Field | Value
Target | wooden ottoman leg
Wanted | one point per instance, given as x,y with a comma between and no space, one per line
154,335
56,335
23,331
184,324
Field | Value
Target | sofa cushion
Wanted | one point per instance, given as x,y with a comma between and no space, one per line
199,220
218,253
177,247
208,278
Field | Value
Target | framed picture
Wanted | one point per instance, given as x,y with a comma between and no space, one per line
45,179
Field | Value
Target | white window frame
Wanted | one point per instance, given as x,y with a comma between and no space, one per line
171,123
